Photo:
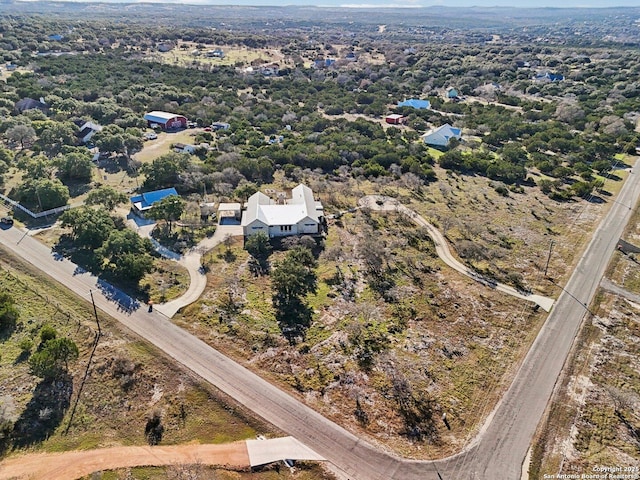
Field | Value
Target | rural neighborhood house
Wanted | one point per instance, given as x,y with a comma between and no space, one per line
441,136
143,202
299,215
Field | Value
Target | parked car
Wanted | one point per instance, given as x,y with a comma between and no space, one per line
151,136
6,220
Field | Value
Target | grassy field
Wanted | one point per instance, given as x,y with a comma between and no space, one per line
594,419
126,381
183,55
154,148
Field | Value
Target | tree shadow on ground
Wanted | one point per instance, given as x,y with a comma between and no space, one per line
44,412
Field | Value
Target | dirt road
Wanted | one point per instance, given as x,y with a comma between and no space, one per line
77,464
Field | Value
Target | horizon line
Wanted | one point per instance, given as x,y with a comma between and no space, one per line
353,6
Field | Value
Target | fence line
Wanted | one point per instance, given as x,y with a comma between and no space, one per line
17,205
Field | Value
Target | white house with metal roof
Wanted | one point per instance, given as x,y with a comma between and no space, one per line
299,215
441,136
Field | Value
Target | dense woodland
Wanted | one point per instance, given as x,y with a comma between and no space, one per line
523,132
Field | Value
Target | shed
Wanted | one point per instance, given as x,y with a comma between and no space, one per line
30,104
166,120
394,119
184,148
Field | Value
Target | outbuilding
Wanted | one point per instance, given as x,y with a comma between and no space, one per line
395,119
166,120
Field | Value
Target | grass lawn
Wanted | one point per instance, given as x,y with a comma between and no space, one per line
182,55
154,148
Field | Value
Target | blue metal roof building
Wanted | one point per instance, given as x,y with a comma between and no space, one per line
145,201
415,103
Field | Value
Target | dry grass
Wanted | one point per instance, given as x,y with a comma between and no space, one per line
154,148
303,471
182,55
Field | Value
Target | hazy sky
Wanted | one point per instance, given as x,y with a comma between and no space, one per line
420,3
403,3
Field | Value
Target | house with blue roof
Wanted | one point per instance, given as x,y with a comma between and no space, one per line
452,93
143,202
415,103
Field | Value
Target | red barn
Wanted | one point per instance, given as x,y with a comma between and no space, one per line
394,119
166,120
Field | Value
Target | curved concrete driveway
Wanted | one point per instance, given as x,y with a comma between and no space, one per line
382,203
192,261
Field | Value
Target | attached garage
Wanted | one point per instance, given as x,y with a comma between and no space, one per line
166,120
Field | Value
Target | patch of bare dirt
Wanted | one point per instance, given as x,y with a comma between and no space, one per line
72,465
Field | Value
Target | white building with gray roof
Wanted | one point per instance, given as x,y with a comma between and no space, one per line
299,215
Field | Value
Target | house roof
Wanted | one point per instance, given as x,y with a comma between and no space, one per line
28,104
415,103
554,77
87,128
300,206
394,116
146,200
225,207
160,117
441,135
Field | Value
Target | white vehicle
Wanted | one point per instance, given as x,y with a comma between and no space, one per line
151,136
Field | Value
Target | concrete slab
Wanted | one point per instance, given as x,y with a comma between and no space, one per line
262,452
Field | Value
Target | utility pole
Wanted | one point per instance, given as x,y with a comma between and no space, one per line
95,312
548,258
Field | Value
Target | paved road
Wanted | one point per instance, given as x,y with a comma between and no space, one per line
506,440
192,261
382,203
618,290
497,454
